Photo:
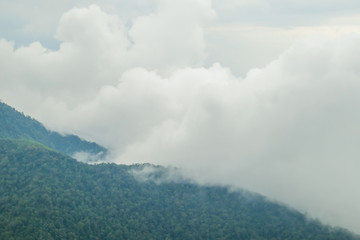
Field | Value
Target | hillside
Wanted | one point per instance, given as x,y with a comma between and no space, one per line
16,125
48,195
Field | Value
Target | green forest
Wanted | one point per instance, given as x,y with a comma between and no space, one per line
48,195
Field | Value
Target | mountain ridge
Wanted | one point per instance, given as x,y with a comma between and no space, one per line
48,195
16,125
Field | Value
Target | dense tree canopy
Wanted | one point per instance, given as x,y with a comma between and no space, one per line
48,195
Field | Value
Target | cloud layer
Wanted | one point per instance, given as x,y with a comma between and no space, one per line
288,130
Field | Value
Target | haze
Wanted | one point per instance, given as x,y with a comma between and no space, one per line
261,94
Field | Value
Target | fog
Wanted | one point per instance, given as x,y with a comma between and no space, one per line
151,89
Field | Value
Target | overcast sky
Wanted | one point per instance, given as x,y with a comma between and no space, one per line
259,94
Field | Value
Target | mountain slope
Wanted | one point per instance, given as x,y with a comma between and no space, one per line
48,195
16,125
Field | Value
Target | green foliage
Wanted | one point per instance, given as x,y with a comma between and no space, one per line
16,125
47,195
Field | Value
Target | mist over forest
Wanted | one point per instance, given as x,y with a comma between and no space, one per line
258,95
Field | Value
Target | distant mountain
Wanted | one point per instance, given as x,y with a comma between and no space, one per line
48,195
16,125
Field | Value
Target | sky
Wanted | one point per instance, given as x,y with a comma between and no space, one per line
256,94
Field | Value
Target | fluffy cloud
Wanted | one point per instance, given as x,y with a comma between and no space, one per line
173,37
24,21
90,55
288,130
96,48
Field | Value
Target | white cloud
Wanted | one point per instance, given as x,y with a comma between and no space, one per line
173,37
95,50
287,130
242,47
25,21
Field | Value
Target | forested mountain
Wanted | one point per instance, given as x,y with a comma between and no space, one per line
48,195
16,125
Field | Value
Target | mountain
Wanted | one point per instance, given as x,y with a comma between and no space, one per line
16,125
48,195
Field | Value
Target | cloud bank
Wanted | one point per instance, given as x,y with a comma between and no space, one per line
289,130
